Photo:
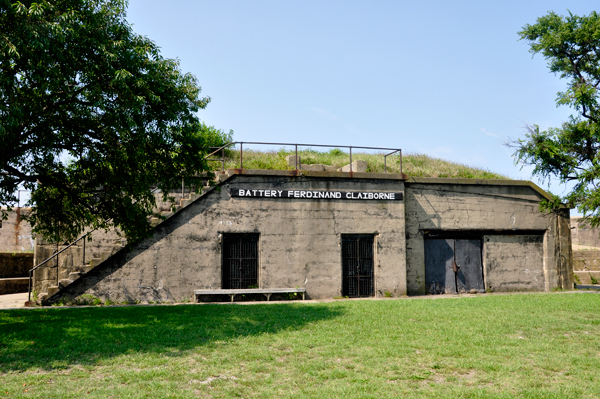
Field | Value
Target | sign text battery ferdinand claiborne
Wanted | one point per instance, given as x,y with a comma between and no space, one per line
316,194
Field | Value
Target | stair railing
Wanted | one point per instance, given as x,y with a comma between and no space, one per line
52,257
61,251
90,232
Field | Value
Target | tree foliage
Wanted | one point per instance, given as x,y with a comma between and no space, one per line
571,45
91,116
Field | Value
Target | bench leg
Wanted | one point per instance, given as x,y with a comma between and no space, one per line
303,296
268,297
231,297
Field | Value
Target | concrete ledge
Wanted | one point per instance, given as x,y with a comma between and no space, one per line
586,261
488,182
319,174
585,277
14,285
15,264
16,254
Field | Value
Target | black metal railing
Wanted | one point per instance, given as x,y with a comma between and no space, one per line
55,255
296,145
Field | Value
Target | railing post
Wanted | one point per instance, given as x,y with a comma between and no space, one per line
83,256
296,145
385,164
223,154
350,159
57,264
29,292
241,155
400,161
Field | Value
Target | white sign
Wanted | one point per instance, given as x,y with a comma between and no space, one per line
317,194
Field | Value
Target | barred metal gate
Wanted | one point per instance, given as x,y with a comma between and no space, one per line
357,265
240,261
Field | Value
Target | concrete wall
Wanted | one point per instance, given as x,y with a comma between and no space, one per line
300,241
513,262
76,258
586,266
15,264
583,235
493,208
15,233
586,256
99,245
14,271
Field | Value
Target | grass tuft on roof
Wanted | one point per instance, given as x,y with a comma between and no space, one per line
413,164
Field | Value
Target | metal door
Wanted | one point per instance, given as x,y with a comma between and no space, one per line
453,265
240,261
467,255
357,265
439,275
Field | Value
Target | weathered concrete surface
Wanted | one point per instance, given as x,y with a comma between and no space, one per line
586,256
300,239
102,245
293,160
318,167
588,277
513,262
13,285
15,234
14,272
357,166
490,206
15,264
586,266
584,235
300,242
586,261
563,251
99,246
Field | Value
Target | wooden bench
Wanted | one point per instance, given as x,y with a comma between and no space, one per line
266,291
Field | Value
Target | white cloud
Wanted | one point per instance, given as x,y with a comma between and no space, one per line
489,133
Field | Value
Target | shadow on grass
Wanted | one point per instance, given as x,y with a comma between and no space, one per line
56,338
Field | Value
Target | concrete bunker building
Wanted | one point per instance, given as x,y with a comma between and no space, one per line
334,234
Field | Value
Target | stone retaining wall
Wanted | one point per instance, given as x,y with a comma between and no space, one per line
586,262
14,272
586,266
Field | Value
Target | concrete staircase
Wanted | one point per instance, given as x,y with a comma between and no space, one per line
71,273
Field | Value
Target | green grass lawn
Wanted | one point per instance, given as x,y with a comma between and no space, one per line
499,346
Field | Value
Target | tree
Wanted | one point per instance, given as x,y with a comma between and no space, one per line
571,45
91,116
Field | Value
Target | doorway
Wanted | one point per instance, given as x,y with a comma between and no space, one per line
240,261
357,265
453,265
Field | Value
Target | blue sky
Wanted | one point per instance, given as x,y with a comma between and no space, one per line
448,79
